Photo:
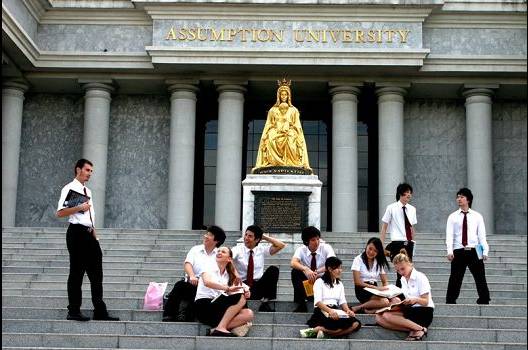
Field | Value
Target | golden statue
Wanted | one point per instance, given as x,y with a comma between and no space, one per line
282,143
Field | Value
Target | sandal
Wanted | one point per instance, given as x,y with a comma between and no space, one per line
417,337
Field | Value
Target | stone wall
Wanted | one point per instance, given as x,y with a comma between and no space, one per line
509,166
52,138
435,158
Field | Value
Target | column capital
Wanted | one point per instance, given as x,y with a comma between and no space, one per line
231,86
13,84
480,93
100,85
187,91
344,89
392,90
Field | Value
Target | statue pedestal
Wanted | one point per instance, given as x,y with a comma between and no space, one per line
281,204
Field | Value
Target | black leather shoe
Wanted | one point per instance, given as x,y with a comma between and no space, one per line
301,307
105,318
168,319
265,307
77,317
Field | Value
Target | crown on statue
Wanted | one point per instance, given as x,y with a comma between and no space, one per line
284,82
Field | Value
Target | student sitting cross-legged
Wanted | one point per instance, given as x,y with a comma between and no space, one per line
220,302
332,317
416,311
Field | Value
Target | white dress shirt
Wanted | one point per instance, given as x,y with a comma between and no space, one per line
395,220
209,293
82,218
416,286
476,231
200,260
323,252
365,274
328,296
241,258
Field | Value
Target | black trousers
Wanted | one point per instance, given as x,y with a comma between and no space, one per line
266,286
297,278
182,291
394,248
462,259
85,257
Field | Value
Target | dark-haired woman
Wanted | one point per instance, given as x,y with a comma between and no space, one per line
219,302
368,269
332,317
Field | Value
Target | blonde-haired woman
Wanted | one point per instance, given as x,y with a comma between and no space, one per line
416,312
220,302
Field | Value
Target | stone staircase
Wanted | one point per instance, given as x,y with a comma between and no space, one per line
35,269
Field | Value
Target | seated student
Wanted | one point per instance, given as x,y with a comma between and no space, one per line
308,264
329,295
220,303
197,260
367,269
249,262
416,312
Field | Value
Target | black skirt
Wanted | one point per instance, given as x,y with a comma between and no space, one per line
211,313
319,319
421,315
362,295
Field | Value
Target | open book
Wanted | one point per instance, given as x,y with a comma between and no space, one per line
389,308
340,313
391,292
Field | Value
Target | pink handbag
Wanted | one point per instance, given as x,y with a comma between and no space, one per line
154,296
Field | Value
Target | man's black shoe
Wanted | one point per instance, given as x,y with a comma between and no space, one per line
168,319
301,308
265,307
77,317
105,318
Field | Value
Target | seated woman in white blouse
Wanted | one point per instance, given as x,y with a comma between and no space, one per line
368,269
329,295
219,302
416,313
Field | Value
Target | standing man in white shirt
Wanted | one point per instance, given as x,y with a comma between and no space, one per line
249,262
83,247
399,220
464,231
200,258
308,263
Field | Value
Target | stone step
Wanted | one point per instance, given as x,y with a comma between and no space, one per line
137,302
139,328
174,272
202,343
458,321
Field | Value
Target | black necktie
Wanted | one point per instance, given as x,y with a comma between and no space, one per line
408,225
250,267
313,264
464,229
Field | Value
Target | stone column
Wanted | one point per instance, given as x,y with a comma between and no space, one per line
390,136
229,156
95,141
12,106
181,156
344,159
479,152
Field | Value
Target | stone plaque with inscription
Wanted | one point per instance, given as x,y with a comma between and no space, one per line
281,212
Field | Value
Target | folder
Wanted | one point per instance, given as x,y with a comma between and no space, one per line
74,198
308,288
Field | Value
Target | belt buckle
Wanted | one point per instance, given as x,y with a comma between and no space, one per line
89,229
467,248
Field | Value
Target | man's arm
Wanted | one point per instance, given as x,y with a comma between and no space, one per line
276,244
383,232
190,272
70,211
449,238
296,264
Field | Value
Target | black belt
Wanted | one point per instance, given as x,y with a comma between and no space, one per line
466,248
88,229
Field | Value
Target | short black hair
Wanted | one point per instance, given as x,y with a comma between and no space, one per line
308,233
466,192
257,231
80,164
218,233
401,189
